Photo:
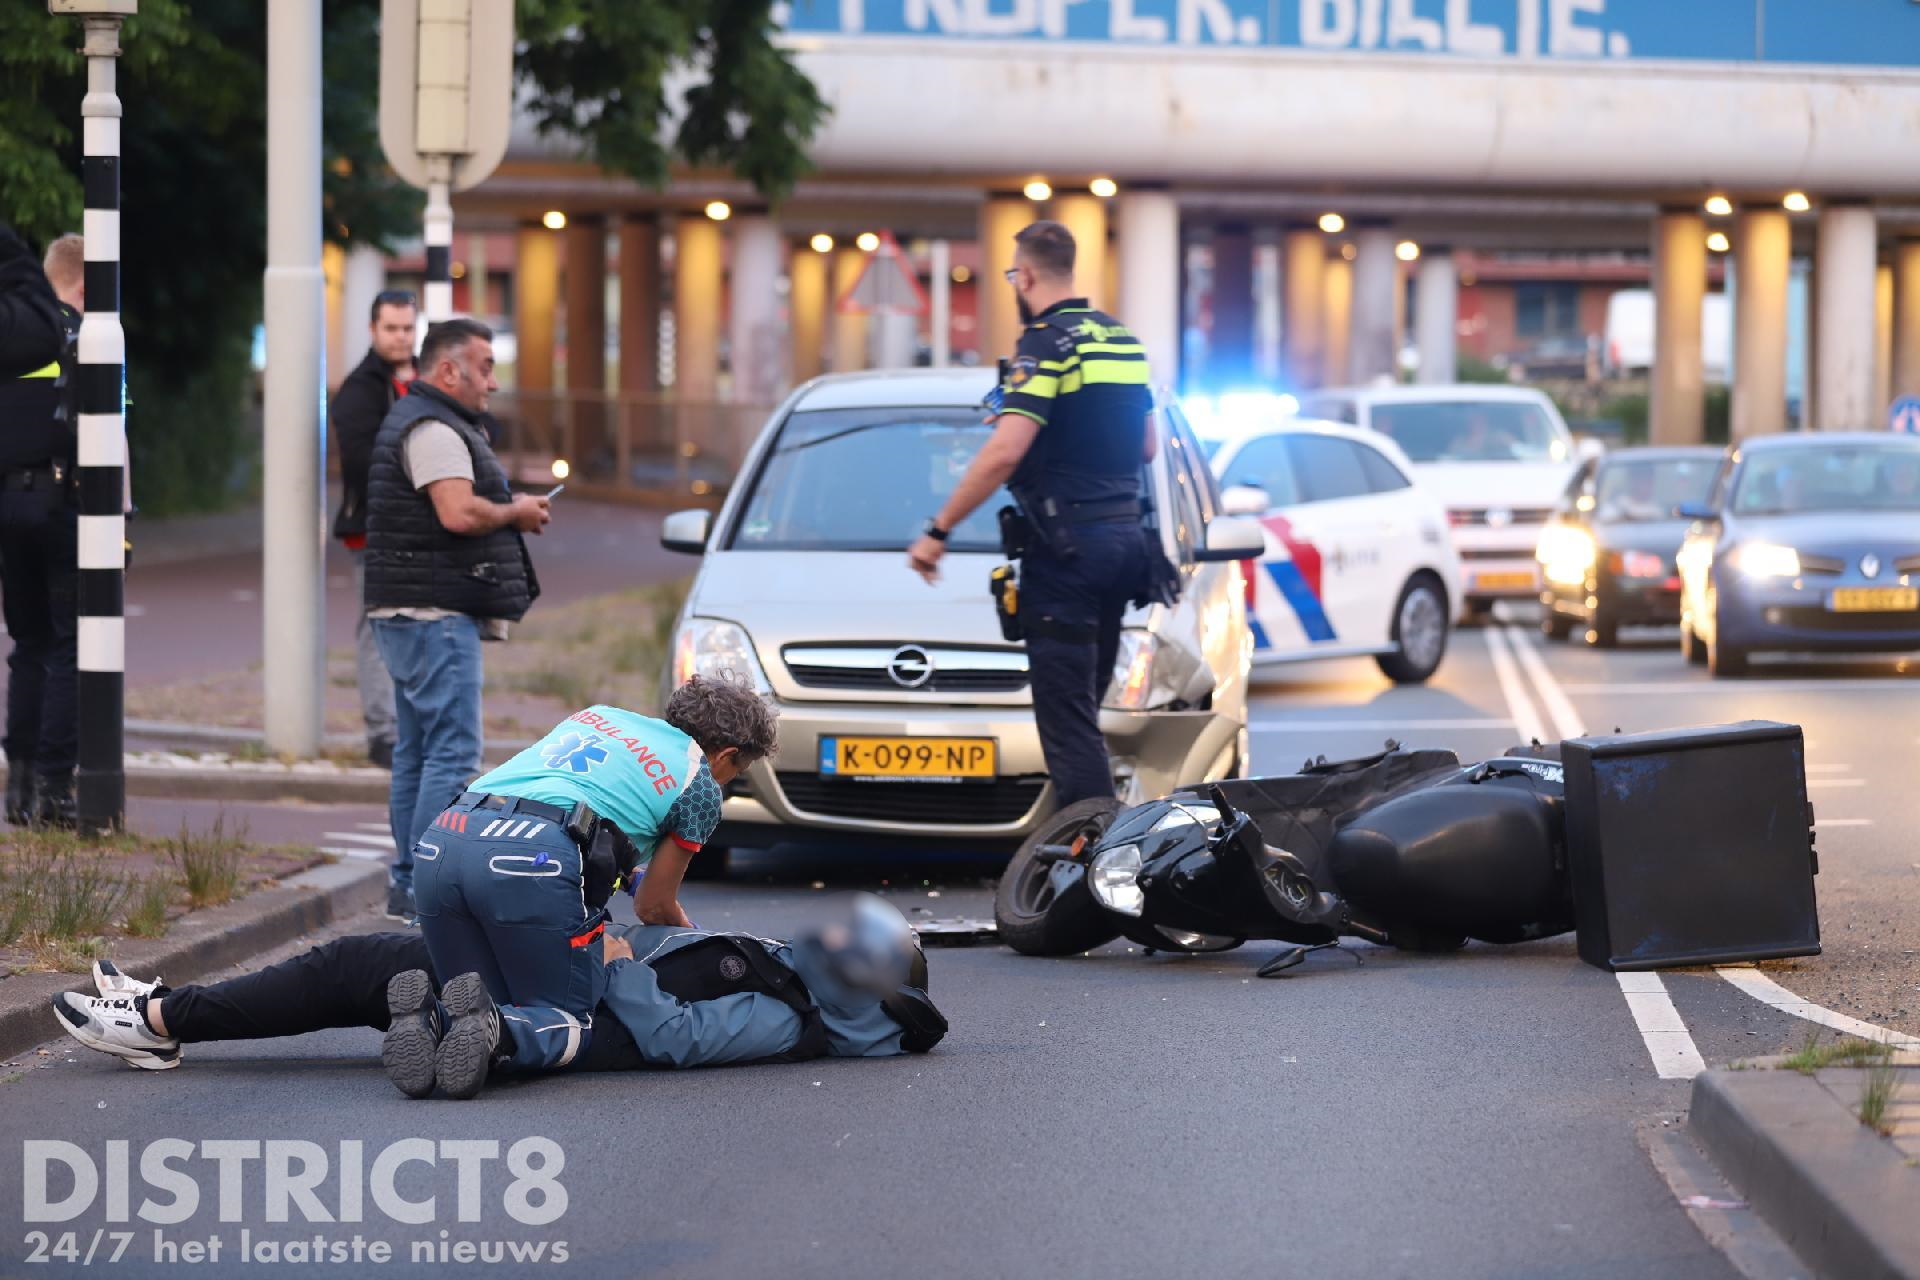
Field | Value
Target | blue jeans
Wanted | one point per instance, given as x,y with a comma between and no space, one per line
436,701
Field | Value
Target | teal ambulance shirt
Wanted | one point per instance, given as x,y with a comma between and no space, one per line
641,774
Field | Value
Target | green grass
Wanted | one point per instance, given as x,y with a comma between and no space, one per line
1812,1055
209,862
1876,1091
147,917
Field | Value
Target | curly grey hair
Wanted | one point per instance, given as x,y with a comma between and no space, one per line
722,712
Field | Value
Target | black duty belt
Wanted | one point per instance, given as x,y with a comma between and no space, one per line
1095,512
567,819
48,476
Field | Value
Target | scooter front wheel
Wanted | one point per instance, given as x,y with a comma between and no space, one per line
1043,905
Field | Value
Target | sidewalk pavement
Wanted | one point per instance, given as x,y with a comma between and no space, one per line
1845,1198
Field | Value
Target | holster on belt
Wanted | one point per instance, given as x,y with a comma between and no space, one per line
1004,583
606,854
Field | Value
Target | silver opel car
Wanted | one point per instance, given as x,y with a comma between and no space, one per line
905,717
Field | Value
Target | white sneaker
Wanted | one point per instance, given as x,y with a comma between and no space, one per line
110,982
114,1024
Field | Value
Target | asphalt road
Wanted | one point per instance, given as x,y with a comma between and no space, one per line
1377,1113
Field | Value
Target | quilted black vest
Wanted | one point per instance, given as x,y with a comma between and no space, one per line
412,561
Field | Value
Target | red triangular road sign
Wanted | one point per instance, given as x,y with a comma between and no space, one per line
886,285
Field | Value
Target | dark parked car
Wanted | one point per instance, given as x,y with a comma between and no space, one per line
1809,543
1607,556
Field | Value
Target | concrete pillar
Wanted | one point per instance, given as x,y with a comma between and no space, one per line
1762,262
940,304
1085,215
1843,297
1677,412
639,305
759,348
1376,279
1906,318
536,279
1883,340
1149,258
1001,218
850,330
363,276
1110,287
1303,322
1336,320
1436,304
807,312
1230,347
697,274
477,301
586,245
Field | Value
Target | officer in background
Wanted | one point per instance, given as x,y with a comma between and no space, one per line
1075,425
38,571
30,329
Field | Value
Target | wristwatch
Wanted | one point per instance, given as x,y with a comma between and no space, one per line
934,531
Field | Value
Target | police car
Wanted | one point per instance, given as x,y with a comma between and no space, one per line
1359,559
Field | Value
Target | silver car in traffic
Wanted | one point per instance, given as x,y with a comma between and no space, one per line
905,717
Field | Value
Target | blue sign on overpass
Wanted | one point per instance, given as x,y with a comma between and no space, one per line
1832,32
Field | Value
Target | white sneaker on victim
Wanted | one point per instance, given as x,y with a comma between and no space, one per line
110,982
113,1024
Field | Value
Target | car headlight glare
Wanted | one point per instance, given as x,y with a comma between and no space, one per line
1133,687
709,647
1767,560
1566,553
1115,880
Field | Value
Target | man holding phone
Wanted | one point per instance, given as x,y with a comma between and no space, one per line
446,569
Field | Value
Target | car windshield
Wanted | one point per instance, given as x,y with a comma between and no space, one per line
866,480
1863,477
1471,431
1631,489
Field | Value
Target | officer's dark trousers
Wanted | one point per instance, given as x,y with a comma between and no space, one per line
1085,594
501,895
38,582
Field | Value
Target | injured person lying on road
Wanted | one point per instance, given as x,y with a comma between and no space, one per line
853,987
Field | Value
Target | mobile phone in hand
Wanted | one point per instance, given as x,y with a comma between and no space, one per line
555,492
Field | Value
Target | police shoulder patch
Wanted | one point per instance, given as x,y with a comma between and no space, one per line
1021,370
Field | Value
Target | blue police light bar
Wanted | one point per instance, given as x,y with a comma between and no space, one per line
1236,413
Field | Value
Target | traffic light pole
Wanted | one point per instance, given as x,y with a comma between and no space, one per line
439,239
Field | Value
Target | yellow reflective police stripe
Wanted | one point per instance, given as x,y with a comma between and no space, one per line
50,371
1029,414
1042,386
1121,372
1071,382
1129,348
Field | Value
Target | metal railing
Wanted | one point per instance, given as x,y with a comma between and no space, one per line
626,445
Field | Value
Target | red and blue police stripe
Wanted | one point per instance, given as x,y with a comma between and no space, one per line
1297,577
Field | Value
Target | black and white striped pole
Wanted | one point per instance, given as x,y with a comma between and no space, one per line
439,239
99,382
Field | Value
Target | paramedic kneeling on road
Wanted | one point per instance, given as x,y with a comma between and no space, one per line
1074,427
512,880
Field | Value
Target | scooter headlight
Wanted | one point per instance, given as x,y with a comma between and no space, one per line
1115,880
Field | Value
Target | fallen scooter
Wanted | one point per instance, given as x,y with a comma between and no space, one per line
1418,850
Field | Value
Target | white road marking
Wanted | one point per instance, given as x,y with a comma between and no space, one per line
1325,725
370,855
355,837
1664,688
1662,1029
1768,992
1514,689
1566,720
1836,782
1845,822
1829,768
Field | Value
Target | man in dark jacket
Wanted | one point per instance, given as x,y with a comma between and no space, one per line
31,334
446,569
357,410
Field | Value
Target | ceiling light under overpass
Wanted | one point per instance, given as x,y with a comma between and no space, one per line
1105,188
821,243
1796,202
867,241
719,210
553,220
1719,206
1332,223
1038,190
1718,242
1406,251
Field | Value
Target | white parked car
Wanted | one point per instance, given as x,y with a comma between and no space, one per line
1497,457
1358,557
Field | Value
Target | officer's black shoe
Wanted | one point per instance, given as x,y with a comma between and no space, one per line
380,752
473,1033
54,805
20,792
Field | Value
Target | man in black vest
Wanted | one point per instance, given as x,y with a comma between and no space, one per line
355,413
39,574
446,569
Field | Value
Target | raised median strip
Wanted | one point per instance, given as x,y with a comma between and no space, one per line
200,943
1842,1195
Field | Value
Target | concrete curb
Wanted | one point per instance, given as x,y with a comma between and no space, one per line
1840,1196
202,942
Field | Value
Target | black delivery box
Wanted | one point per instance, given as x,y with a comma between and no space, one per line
1691,846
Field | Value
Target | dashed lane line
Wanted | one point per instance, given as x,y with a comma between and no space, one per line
1768,992
344,851
356,837
1667,688
1836,782
1662,1029
1519,706
1328,725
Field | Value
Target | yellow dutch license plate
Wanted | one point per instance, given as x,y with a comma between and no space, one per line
1502,581
1874,599
894,759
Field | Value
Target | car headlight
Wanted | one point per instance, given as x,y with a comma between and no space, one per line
707,647
1566,554
1115,880
1134,687
1766,560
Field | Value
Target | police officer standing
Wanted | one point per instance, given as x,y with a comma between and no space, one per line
1075,426
38,571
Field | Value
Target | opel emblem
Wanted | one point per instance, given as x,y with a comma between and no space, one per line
1869,565
1499,517
910,666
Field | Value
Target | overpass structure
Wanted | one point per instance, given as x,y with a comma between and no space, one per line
1281,174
